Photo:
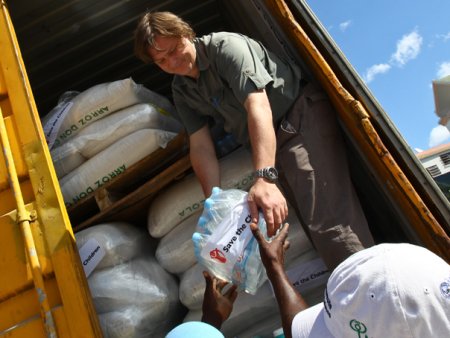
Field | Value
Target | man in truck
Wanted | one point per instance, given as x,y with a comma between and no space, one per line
266,103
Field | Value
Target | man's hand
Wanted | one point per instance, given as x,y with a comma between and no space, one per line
269,198
217,307
272,253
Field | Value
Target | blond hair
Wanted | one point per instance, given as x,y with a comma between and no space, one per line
154,24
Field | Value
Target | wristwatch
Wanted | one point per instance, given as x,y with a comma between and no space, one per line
268,173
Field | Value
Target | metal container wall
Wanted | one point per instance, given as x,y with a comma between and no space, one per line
43,290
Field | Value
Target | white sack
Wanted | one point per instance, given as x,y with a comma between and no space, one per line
193,316
132,322
135,299
192,287
140,282
121,241
175,251
66,158
102,133
111,162
75,113
185,197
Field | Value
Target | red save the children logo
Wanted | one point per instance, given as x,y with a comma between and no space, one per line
217,255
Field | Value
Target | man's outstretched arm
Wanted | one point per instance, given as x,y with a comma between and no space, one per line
204,160
264,195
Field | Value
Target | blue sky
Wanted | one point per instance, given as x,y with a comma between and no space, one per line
398,47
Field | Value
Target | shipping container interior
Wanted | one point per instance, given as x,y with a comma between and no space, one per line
72,45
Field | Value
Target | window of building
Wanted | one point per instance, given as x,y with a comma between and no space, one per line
434,170
445,159
443,183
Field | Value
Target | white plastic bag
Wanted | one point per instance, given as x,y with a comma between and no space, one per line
224,243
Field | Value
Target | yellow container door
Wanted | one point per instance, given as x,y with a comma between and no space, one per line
43,290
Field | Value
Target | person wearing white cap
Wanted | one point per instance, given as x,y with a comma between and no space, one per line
388,290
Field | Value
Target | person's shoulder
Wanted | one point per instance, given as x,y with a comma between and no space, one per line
222,38
232,37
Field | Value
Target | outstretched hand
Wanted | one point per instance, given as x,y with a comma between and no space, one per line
290,302
272,253
217,307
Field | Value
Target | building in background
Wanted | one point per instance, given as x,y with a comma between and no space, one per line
441,91
436,161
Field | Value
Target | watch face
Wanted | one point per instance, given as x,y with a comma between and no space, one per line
271,174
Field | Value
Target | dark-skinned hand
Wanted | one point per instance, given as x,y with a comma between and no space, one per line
272,253
217,306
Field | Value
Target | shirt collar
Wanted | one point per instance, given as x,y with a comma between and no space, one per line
201,59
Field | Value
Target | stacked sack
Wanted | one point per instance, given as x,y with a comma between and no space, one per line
185,197
96,135
133,295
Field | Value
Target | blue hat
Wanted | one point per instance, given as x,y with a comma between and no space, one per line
195,330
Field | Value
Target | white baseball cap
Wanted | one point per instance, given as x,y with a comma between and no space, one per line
388,290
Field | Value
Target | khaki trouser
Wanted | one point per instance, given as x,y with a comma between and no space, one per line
314,175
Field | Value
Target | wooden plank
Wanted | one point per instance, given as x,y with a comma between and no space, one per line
137,202
131,179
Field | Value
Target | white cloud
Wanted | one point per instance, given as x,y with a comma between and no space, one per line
344,25
438,135
444,37
375,70
444,70
408,47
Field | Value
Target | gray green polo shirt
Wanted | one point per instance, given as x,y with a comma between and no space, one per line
231,67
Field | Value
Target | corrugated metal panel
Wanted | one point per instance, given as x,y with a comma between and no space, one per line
75,44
